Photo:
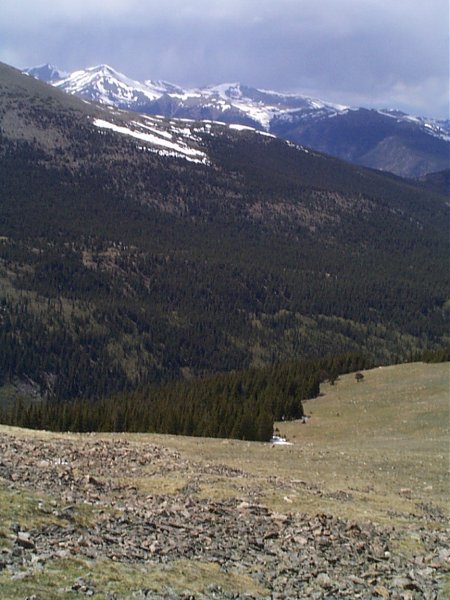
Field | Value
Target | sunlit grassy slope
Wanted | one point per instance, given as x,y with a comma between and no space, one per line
376,449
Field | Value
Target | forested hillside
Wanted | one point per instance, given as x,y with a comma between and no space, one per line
122,266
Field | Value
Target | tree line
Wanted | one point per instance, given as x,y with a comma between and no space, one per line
242,404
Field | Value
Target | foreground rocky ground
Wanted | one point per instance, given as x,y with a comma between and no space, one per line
82,498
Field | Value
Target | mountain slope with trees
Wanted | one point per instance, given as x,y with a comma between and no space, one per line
123,264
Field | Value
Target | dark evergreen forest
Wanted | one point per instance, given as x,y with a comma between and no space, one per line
241,404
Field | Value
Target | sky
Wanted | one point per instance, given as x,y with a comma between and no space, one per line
373,53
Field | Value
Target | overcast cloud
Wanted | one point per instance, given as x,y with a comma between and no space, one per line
359,52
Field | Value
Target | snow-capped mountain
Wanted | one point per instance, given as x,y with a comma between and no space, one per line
383,139
107,86
147,224
47,73
229,102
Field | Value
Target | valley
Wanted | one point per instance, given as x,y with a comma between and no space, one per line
148,268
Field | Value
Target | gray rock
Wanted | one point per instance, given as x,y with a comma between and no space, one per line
324,580
24,540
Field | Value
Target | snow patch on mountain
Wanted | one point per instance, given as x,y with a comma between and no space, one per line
173,142
439,129
237,127
162,87
259,113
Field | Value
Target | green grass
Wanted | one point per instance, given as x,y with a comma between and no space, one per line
26,508
34,509
55,580
383,442
445,594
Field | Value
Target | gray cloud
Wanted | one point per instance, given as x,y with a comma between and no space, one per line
368,52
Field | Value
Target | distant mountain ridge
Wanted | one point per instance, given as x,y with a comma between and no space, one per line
47,73
387,139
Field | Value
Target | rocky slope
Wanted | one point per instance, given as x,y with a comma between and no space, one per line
286,555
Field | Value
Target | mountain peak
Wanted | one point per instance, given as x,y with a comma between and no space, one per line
104,84
227,91
104,69
98,71
46,72
164,87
